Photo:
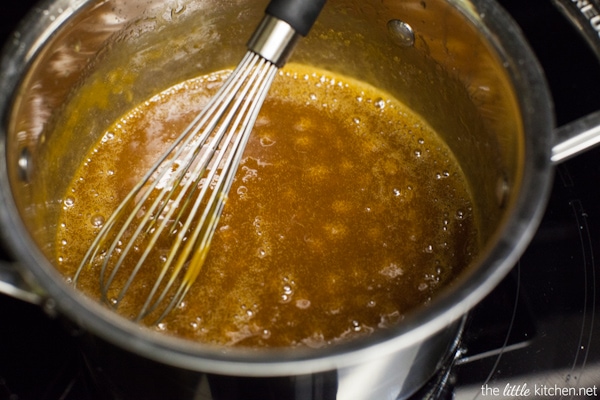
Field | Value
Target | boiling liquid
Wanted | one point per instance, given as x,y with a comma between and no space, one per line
347,212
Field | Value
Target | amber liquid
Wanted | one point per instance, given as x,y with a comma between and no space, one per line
347,212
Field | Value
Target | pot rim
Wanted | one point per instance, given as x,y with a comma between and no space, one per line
518,228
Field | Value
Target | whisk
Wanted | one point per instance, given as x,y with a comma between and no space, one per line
180,198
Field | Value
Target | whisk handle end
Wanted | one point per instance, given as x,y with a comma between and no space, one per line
300,14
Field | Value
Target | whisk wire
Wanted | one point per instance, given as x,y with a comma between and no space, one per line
214,119
213,141
226,94
200,240
209,119
227,124
216,106
163,208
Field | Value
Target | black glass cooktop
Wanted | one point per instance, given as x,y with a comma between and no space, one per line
536,336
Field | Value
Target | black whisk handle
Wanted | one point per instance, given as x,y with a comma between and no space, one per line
300,14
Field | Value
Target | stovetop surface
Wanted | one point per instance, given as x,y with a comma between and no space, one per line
538,331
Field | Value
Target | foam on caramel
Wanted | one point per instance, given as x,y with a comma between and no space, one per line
348,211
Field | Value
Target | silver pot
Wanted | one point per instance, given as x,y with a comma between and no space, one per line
464,65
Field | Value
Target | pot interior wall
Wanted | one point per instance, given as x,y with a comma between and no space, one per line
451,76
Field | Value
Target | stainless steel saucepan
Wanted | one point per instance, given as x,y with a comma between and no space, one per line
462,64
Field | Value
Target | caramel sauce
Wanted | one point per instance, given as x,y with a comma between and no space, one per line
347,212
